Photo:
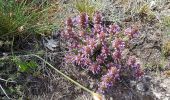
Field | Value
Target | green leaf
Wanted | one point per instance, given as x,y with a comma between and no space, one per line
32,64
23,67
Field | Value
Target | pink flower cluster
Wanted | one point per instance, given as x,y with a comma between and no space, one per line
98,48
109,79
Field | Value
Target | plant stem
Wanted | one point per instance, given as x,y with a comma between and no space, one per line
4,92
76,83
7,80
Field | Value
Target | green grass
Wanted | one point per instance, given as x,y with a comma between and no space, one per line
85,6
25,17
166,21
166,49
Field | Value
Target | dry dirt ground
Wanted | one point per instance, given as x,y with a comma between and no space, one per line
155,85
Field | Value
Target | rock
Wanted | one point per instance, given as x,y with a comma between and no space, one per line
147,78
51,44
142,87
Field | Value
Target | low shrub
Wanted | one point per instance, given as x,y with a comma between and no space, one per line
99,49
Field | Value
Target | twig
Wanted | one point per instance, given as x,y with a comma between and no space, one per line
4,92
7,80
28,54
9,56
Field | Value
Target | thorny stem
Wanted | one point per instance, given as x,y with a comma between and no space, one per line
76,83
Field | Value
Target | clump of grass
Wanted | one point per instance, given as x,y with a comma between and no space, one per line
19,17
166,21
166,49
145,10
85,6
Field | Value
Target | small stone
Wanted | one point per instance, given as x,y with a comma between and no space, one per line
147,78
132,83
91,84
142,87
168,95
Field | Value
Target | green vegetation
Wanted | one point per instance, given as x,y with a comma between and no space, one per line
21,23
85,6
25,66
166,49
23,17
166,21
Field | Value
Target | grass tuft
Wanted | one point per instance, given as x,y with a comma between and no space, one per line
166,21
20,17
166,49
85,6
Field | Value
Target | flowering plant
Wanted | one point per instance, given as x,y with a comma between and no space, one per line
94,46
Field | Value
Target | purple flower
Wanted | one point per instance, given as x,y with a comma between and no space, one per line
113,71
109,79
114,29
105,51
118,44
100,59
131,32
82,33
97,18
101,36
131,60
69,58
137,70
86,50
97,28
86,61
95,68
109,65
78,59
83,20
91,42
69,33
102,87
139,73
69,22
116,55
